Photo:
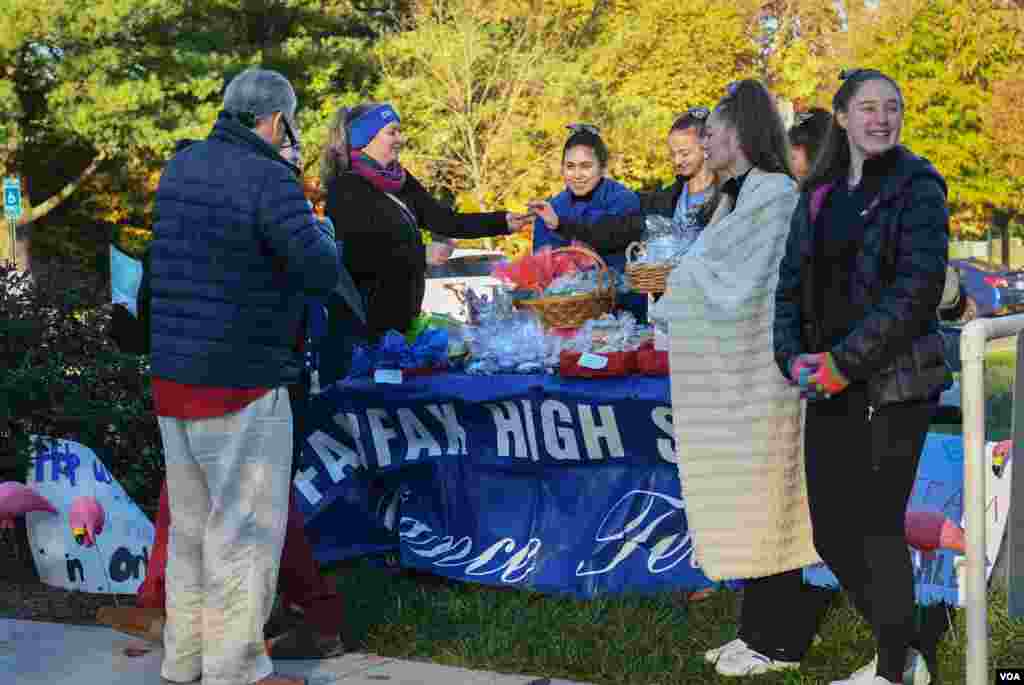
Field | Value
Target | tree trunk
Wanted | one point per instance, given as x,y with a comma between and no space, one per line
23,245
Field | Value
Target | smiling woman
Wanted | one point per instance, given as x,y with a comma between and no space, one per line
856,328
589,196
379,210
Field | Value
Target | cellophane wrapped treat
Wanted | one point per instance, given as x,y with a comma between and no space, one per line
517,344
610,333
666,240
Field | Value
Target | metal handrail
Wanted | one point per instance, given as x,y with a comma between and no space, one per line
973,339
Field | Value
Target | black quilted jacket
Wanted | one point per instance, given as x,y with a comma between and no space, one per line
900,274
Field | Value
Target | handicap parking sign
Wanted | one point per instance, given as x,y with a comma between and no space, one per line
12,198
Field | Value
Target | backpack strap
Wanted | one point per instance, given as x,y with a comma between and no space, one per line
818,198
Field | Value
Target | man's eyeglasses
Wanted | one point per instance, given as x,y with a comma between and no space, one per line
803,118
293,140
700,113
584,128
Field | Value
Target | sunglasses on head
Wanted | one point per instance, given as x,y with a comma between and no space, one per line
847,74
698,113
584,128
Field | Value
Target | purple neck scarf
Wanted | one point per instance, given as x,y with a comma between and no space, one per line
389,179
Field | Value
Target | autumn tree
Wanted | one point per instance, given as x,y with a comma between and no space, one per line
947,55
1005,128
803,42
465,76
111,86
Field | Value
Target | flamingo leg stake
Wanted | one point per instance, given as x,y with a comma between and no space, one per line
106,575
11,539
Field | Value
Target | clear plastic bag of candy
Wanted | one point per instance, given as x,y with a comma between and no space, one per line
517,344
610,333
665,240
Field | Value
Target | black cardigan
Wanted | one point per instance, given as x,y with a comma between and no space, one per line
385,254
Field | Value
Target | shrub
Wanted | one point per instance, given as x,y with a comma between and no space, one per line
64,378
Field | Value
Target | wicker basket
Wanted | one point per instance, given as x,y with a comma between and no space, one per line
572,311
645,278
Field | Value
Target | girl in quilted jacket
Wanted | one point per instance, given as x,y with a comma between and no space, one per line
856,328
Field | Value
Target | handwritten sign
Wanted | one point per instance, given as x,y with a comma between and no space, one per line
62,471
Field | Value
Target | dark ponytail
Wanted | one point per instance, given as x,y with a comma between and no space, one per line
750,109
809,131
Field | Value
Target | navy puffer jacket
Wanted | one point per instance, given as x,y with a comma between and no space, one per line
900,274
236,248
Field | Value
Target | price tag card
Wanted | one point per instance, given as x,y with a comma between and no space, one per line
388,376
593,361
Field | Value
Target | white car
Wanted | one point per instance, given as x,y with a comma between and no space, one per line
465,268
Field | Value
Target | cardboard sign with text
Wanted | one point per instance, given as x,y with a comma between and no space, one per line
61,472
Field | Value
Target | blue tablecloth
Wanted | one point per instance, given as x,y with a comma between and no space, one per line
560,485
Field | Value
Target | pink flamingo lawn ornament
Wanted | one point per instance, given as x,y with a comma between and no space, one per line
86,517
929,531
17,499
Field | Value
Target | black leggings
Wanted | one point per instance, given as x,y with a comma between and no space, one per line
860,474
780,614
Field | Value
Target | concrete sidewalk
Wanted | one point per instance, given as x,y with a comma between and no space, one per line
56,654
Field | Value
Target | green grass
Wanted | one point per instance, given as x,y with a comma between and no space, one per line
1016,253
1000,368
635,640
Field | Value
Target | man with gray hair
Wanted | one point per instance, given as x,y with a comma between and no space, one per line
236,249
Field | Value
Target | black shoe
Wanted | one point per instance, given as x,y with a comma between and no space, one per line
304,643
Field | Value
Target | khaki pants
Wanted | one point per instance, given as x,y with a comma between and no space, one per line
228,480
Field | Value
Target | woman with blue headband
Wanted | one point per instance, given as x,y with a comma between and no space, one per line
378,209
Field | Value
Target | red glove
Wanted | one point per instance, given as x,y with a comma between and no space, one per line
827,378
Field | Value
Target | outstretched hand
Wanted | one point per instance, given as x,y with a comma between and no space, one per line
517,222
439,251
545,211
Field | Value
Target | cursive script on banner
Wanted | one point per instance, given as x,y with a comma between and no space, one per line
512,561
655,527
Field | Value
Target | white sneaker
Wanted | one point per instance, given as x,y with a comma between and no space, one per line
745,661
713,655
865,675
915,672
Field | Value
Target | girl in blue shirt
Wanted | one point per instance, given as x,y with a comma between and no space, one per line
588,197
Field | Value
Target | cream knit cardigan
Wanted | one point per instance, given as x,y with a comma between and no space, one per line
738,422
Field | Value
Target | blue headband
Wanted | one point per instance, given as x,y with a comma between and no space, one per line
368,125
